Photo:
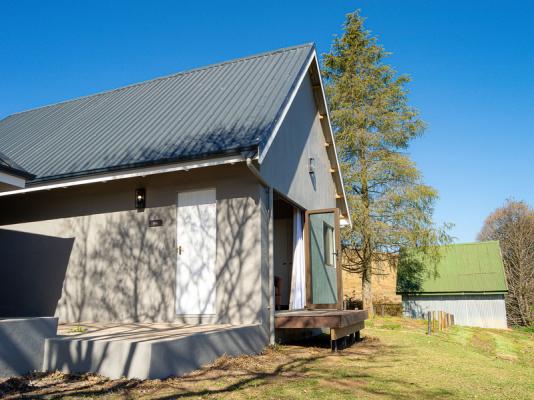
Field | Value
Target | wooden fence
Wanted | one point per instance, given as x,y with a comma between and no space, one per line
439,321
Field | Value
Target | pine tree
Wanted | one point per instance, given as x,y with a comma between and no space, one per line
391,208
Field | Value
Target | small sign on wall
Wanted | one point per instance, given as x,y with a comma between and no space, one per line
152,223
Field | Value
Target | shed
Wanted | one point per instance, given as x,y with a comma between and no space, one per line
468,281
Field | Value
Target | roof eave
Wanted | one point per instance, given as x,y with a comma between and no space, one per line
139,170
480,292
20,173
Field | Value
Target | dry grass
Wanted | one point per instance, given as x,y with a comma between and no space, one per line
396,360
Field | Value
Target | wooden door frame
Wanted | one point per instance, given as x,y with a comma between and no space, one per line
309,295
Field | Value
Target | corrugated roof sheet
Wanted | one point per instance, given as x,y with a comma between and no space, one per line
11,167
466,268
218,109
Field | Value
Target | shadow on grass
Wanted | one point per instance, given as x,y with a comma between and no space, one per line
308,364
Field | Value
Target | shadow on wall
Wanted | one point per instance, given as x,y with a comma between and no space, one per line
239,289
121,269
33,269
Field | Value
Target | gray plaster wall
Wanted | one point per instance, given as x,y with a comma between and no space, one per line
120,269
286,164
22,342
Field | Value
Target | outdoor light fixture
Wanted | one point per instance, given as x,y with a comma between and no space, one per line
311,165
140,198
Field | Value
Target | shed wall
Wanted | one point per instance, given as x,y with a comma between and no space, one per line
485,311
120,269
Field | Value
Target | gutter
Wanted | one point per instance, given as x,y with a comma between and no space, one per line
256,172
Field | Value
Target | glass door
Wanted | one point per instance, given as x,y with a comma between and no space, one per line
323,271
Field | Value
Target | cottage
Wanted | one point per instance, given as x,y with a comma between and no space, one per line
468,282
170,218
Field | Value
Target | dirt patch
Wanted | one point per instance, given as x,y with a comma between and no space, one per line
58,385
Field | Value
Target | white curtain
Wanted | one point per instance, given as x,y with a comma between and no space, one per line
297,297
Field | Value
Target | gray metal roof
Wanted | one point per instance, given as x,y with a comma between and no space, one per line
11,167
219,109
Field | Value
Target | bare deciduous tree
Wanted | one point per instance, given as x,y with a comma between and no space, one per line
513,226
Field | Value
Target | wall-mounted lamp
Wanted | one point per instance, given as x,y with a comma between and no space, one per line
140,198
311,165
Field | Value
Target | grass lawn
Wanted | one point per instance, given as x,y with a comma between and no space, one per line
396,360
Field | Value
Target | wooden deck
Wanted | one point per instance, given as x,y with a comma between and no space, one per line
318,318
343,324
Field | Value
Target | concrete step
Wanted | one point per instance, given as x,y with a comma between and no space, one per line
150,353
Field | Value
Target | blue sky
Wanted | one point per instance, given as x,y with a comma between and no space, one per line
471,65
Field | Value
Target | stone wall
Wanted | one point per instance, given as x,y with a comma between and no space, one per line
384,284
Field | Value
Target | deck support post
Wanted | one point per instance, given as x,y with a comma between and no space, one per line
344,332
333,345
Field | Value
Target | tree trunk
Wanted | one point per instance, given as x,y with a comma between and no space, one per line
367,250
367,292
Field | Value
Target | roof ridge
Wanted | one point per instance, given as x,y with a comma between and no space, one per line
164,77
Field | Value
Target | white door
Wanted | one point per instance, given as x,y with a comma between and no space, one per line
196,227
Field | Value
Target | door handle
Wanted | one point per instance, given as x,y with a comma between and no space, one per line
179,250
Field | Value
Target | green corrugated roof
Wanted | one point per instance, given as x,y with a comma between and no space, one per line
466,268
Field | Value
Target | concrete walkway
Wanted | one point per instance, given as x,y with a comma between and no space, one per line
137,332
